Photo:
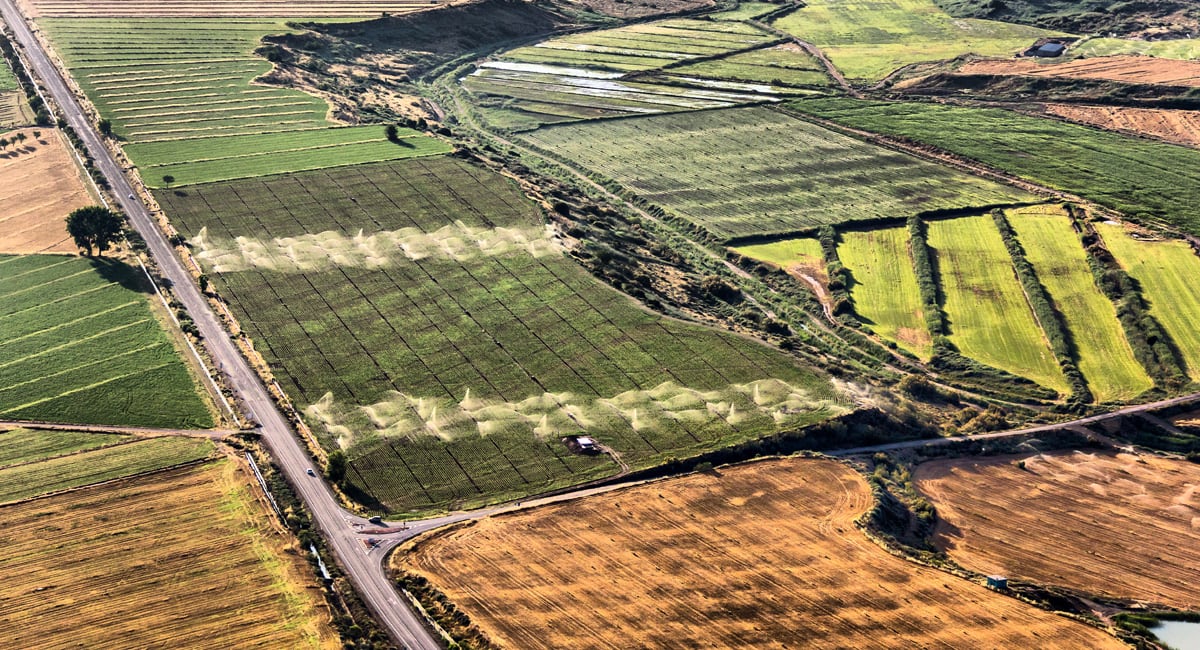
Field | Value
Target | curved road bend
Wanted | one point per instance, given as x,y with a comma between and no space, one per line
363,568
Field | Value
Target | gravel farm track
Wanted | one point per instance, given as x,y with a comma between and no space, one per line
359,547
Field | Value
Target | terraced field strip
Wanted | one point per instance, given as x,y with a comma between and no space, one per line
989,317
755,171
884,290
583,76
780,66
39,186
180,559
82,346
1105,358
1133,175
1183,48
97,465
786,253
19,446
1127,69
760,555
1167,272
868,40
452,345
219,8
1114,525
1177,126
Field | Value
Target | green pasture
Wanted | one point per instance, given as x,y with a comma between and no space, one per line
989,317
884,287
1180,48
1054,250
18,446
755,171
96,465
1167,272
782,64
786,252
81,345
421,318
1134,175
869,40
745,11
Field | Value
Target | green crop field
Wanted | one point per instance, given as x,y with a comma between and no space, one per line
8,81
435,331
81,345
1057,256
745,11
885,289
785,253
1181,48
755,171
989,317
1167,271
181,93
868,40
782,65
95,465
1134,175
27,445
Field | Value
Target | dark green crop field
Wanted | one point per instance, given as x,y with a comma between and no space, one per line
428,323
81,345
1133,175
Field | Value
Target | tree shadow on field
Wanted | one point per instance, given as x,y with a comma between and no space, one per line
361,496
122,274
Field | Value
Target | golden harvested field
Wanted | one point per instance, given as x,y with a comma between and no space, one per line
1180,127
39,186
763,555
218,8
1129,69
1117,525
177,559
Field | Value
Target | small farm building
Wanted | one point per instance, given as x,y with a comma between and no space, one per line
1050,49
997,582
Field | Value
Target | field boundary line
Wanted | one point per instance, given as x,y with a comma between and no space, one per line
84,388
145,432
76,368
128,477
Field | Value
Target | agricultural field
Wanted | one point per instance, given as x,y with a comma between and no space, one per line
1114,525
183,98
217,8
869,40
182,558
1054,250
40,185
1183,48
756,171
28,445
760,555
82,345
1177,126
90,466
14,111
988,316
584,76
1133,175
451,344
802,252
1167,272
1125,69
780,66
885,292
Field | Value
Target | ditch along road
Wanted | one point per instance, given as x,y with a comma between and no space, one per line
364,569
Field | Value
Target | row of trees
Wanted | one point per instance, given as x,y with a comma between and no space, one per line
18,139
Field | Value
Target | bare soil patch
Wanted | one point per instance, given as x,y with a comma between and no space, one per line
762,555
1116,525
39,186
1127,69
1179,127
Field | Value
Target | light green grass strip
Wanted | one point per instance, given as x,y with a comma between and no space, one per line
25,445
1183,48
1105,357
885,291
1168,272
785,252
86,468
990,319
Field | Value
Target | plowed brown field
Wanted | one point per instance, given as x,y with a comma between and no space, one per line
1129,69
39,186
763,555
1180,127
1111,524
180,559
217,8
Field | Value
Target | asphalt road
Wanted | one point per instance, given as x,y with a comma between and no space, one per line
362,564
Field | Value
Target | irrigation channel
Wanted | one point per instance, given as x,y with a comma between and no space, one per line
359,546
